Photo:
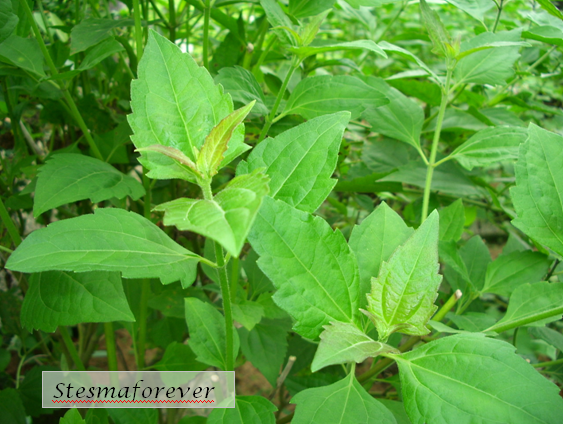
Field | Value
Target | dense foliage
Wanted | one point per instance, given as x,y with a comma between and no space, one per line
357,205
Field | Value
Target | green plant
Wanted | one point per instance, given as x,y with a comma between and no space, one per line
365,201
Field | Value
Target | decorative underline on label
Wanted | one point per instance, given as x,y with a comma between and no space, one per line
132,401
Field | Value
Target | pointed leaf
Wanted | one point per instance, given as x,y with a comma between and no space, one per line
278,19
538,195
91,31
470,378
510,271
208,333
100,52
402,118
374,241
310,50
532,304
548,6
490,145
310,264
108,240
452,221
388,47
402,296
344,342
216,143
68,177
474,8
72,416
436,30
247,313
180,158
248,409
23,53
243,87
476,256
227,218
316,96
340,403
88,297
301,161
176,104
266,346
179,357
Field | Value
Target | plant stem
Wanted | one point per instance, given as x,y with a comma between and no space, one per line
225,292
447,306
138,30
269,119
110,346
499,7
386,362
234,279
435,141
145,294
206,18
74,110
547,364
499,328
172,20
393,20
71,349
9,224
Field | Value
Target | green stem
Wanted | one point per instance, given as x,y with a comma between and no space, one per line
499,7
447,306
5,249
548,364
270,118
225,292
71,349
435,141
74,110
499,328
234,279
172,20
9,224
206,18
397,15
145,294
159,13
110,346
386,362
138,29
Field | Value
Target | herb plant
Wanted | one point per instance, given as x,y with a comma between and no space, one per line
362,199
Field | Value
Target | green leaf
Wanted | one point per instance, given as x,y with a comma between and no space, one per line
344,342
108,240
310,264
508,272
474,8
331,46
449,254
259,283
398,410
69,177
490,66
227,218
8,20
301,161
491,145
388,47
550,8
23,53
304,8
476,256
11,407
91,31
532,304
249,409
471,321
374,241
316,96
436,30
30,390
549,335
545,33
176,104
539,188
265,346
208,333
340,403
447,178
216,143
243,87
470,378
72,417
402,296
89,297
452,221
402,118
133,415
248,313
280,22
99,52
179,357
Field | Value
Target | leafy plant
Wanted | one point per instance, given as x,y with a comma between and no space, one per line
371,217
